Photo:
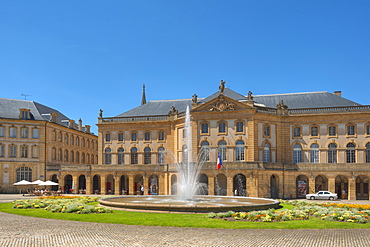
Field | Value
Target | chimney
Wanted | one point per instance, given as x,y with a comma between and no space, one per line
71,124
87,129
53,117
80,124
338,93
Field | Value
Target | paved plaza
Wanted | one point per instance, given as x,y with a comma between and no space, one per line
28,231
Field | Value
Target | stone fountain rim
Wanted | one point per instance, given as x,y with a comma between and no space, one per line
150,207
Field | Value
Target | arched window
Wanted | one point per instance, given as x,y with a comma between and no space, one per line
204,150
239,150
134,156
266,152
368,152
24,173
185,154
222,149
314,153
121,156
161,156
108,156
332,153
297,153
351,153
147,156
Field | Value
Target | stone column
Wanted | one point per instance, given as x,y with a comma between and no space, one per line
88,185
103,189
211,185
117,188
132,185
351,189
230,186
76,184
331,185
146,185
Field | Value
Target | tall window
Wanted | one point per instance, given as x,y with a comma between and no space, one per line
2,150
297,153
60,154
72,154
314,153
222,149
147,156
120,137
35,133
60,137
24,152
297,132
2,131
83,160
24,173
66,155
222,128
350,130
35,151
161,135
83,142
266,152
185,154
314,131
204,127
368,152
266,130
332,130
367,130
161,155
332,153
351,153
121,156
77,157
72,140
12,151
204,152
24,133
134,156
239,150
77,141
239,127
108,156
13,132
107,137
147,136
133,136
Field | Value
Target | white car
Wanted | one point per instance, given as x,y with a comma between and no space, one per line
324,195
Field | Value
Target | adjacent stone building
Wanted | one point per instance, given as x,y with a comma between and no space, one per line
38,142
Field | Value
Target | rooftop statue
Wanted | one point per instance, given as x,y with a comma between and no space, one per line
222,86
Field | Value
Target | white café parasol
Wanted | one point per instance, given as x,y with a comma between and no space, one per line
46,183
22,183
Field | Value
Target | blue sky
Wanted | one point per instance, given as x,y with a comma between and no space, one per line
82,56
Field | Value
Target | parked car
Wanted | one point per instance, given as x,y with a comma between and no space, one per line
324,195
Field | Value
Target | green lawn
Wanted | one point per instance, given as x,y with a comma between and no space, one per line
180,220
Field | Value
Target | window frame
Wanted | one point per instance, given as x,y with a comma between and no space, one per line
24,132
239,150
351,130
318,131
332,153
120,156
330,135
120,137
204,128
132,134
13,132
237,127
147,136
224,127
2,131
298,128
314,153
351,153
161,136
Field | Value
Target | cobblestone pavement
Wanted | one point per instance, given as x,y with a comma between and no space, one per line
28,231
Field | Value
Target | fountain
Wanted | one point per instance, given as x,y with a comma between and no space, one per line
187,187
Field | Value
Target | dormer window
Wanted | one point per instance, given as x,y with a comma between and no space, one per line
24,114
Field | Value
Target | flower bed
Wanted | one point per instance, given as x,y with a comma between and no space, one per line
355,213
62,204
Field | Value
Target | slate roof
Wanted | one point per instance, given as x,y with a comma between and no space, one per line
9,108
292,100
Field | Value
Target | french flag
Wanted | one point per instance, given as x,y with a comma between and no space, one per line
219,162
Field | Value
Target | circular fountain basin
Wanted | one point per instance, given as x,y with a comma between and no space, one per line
199,204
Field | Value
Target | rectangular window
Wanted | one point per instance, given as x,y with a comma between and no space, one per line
204,128
2,132
332,130
239,126
35,152
24,114
24,153
2,150
107,137
315,131
147,136
161,136
350,130
120,137
24,133
266,130
222,128
133,137
297,132
367,130
13,151
35,133
13,132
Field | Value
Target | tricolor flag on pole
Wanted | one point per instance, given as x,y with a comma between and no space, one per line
219,162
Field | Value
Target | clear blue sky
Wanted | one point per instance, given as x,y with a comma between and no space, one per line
82,56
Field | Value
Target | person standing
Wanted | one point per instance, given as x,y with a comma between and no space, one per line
343,193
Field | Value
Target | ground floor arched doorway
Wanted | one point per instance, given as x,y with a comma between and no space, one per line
240,185
124,185
274,190
302,186
220,185
321,183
